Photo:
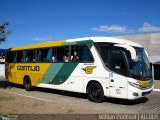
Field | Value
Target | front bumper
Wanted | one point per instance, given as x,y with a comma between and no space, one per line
135,93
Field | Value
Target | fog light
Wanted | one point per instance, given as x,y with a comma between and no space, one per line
135,94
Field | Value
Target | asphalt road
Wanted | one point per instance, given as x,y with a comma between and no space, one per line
149,104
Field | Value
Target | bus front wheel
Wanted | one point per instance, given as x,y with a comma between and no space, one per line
95,93
27,83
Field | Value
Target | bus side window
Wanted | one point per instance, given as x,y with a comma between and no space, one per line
67,57
48,54
74,53
105,54
54,54
85,54
60,54
44,55
117,62
15,56
19,56
29,56
38,55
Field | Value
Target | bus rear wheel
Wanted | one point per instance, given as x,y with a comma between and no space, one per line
27,83
95,93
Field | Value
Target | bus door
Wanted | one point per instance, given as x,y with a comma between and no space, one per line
9,65
118,80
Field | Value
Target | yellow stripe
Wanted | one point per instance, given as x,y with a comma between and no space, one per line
41,45
17,76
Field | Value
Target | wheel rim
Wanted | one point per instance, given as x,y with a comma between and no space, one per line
96,92
27,84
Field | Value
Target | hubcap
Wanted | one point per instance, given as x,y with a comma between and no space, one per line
96,92
26,83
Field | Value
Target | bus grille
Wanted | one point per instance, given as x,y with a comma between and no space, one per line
145,93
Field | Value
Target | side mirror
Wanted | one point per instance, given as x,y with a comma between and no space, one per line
130,49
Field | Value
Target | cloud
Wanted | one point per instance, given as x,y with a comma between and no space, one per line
42,39
148,28
112,29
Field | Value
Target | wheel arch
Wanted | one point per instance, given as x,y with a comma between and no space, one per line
93,81
25,77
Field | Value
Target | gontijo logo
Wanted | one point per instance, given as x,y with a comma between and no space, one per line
28,68
88,69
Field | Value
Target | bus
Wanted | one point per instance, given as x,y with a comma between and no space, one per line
100,67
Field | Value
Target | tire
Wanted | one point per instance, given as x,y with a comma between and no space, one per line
95,93
27,84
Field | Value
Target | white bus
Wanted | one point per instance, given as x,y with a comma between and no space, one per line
97,66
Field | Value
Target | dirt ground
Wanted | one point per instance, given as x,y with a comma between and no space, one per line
17,101
15,104
17,107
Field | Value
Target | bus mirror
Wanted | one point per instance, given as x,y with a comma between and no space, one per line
130,49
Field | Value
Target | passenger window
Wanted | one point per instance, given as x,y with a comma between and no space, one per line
19,56
117,62
85,54
67,56
60,54
29,56
54,54
38,55
74,53
44,55
105,51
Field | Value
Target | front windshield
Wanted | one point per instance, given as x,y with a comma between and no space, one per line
137,69
140,68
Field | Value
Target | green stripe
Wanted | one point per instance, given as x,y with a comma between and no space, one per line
51,72
58,73
78,42
84,42
64,73
90,45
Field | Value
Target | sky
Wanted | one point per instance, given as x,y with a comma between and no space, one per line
36,21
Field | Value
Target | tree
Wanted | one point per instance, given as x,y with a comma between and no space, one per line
3,33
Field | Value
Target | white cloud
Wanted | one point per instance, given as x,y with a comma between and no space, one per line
42,39
112,29
148,28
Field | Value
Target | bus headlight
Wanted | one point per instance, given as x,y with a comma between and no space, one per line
134,85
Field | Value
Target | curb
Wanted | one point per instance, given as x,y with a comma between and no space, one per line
158,90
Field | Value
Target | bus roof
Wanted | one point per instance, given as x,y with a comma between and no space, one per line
78,41
109,40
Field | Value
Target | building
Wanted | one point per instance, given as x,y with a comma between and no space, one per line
151,43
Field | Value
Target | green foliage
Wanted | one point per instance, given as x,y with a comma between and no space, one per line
3,33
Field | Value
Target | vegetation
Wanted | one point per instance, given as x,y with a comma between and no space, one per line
3,32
